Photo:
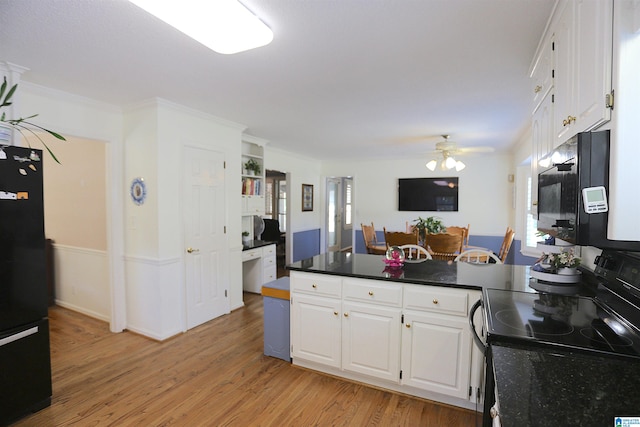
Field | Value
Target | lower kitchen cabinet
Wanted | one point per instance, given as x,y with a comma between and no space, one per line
414,339
316,329
436,353
371,340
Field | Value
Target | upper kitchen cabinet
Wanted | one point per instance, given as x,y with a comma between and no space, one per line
541,139
542,73
253,178
625,126
582,33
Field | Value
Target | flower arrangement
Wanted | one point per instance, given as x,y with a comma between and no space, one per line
563,259
394,257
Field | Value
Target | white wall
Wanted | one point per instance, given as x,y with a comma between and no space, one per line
84,275
147,298
156,133
485,198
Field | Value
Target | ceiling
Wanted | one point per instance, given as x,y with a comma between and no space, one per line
342,78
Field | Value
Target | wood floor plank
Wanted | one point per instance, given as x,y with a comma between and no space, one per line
214,375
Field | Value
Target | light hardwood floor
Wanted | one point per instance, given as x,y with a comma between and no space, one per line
213,375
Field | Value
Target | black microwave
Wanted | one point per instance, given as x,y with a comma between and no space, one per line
581,162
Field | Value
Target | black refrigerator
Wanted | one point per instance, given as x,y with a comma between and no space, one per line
25,363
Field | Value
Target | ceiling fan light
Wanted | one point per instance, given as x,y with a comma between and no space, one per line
460,166
225,26
431,165
450,163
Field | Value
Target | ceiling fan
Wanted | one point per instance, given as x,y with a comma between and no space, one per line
447,149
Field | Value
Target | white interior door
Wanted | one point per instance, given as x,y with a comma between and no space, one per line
334,208
204,213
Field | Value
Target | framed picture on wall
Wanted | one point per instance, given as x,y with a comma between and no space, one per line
307,197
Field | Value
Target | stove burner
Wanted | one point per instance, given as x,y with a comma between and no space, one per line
554,288
602,336
533,324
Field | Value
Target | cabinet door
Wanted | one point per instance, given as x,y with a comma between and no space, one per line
253,205
436,353
564,74
315,329
371,340
542,140
542,73
594,39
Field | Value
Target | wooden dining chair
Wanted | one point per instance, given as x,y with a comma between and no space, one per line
415,252
478,256
444,246
506,244
454,229
371,241
399,238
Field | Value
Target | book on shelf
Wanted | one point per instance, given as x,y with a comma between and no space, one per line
251,186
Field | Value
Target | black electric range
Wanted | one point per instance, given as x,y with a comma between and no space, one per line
603,320
598,317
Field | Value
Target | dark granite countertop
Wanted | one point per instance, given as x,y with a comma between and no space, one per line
430,272
540,387
253,244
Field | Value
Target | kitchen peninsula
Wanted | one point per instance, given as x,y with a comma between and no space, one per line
405,330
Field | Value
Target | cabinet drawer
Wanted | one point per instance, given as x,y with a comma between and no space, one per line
269,251
269,274
251,254
269,261
372,292
436,299
316,284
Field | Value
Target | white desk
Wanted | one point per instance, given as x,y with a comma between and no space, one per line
258,267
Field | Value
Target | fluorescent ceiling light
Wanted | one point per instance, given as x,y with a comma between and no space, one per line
225,26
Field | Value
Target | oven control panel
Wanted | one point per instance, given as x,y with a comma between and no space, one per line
620,270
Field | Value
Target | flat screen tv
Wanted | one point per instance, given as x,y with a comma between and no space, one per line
428,194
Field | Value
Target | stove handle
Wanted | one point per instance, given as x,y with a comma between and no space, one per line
476,338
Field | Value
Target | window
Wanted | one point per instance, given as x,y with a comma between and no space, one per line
282,204
348,186
531,222
269,198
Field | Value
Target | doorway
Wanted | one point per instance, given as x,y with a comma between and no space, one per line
76,203
276,191
339,214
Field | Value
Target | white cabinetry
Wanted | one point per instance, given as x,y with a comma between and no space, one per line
258,267
315,318
436,340
316,329
269,269
625,150
354,328
582,33
564,83
371,326
252,182
541,140
542,73
594,40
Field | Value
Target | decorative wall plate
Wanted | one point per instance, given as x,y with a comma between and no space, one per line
138,191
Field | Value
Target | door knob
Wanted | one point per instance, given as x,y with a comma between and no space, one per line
192,250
